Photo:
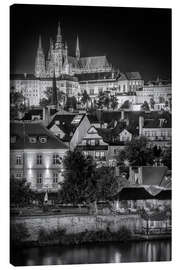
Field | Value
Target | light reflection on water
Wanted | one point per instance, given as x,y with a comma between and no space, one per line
94,253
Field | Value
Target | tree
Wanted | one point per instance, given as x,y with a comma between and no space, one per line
16,98
20,192
152,103
85,98
48,97
71,102
107,183
125,105
114,102
145,106
101,100
137,153
79,178
167,158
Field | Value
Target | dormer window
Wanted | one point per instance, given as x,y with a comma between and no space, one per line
43,139
32,139
13,139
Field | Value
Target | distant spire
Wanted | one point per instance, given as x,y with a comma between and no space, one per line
40,42
59,37
77,49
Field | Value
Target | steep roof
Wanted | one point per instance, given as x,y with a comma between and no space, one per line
64,121
94,62
130,76
24,130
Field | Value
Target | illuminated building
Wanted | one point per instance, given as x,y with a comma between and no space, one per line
36,155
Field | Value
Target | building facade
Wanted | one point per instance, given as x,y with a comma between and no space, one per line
36,155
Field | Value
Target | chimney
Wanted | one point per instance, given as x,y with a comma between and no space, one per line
141,125
140,176
122,115
131,175
117,171
46,114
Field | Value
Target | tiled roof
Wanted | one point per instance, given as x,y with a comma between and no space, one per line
130,76
24,130
154,176
37,111
64,122
95,62
133,75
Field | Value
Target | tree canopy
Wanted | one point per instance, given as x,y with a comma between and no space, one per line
136,153
20,192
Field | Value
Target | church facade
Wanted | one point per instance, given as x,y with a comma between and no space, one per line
59,61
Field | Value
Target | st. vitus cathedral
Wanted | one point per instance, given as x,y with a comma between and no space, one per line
59,62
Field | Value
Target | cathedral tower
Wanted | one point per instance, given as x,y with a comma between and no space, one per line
40,61
77,49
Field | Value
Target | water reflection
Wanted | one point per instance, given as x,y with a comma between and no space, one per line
94,253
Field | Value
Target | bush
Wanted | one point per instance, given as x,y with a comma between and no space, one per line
46,236
18,233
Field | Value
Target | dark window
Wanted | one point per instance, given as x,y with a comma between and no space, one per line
39,159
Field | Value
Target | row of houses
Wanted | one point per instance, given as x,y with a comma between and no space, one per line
40,141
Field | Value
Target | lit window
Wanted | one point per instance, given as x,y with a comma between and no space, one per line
13,139
55,178
96,142
32,139
39,159
39,178
56,159
91,91
43,139
19,175
18,160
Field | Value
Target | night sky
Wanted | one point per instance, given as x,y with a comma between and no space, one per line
133,39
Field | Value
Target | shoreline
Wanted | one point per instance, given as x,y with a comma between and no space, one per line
134,238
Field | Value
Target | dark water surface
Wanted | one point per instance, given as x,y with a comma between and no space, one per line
146,251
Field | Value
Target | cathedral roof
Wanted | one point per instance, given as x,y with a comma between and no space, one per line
95,62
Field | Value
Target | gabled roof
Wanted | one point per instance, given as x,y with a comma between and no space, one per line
24,130
65,123
130,76
133,75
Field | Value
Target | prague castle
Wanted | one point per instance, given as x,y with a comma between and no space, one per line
59,61
74,75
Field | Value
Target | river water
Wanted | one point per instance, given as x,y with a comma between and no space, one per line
146,251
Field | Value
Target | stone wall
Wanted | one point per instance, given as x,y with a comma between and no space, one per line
76,224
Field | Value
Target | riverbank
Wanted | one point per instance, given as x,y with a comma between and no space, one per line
75,230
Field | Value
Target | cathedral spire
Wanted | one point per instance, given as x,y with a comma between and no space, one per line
59,36
40,43
77,49
40,70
